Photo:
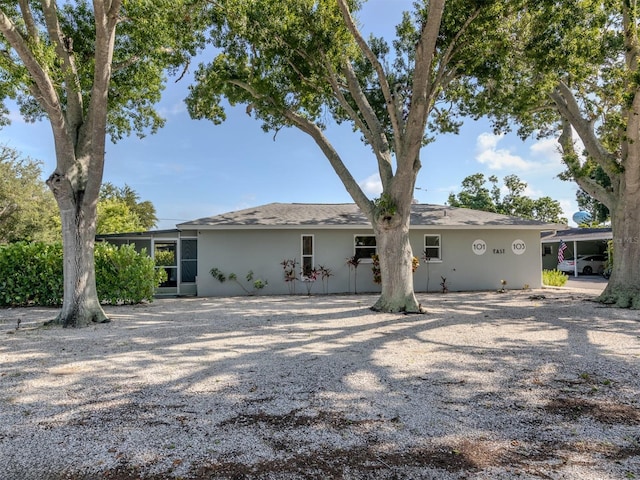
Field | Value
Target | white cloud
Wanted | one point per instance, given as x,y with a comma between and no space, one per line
546,148
372,185
496,158
173,110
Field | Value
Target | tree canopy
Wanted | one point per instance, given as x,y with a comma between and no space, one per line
120,210
573,73
304,63
474,194
91,68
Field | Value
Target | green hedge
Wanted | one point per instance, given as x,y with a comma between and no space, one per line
31,274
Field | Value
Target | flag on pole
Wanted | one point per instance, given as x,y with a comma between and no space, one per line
561,249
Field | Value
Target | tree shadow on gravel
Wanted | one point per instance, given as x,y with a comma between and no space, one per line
482,386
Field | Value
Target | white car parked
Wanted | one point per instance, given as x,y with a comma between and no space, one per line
587,264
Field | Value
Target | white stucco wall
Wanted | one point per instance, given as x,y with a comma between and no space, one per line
262,251
464,270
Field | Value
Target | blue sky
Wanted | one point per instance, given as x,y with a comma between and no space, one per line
192,169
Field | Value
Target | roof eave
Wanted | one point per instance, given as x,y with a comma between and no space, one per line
540,228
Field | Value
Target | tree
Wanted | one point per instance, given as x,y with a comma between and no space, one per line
27,208
89,69
120,210
296,63
478,197
474,195
115,216
574,74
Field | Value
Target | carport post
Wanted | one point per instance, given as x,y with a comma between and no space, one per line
575,258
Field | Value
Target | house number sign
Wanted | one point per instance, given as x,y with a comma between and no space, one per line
518,247
479,247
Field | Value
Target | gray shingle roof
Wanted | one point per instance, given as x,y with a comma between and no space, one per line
579,234
347,215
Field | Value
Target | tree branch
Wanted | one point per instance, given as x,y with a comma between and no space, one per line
589,185
27,16
569,109
443,75
394,113
311,129
422,83
64,51
336,162
92,137
337,91
47,96
378,138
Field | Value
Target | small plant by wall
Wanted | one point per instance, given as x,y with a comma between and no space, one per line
309,279
353,263
325,273
289,267
254,285
554,278
375,269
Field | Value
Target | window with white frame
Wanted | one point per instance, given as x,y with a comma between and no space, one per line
364,246
432,248
307,254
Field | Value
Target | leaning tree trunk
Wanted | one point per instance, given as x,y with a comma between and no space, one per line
623,288
396,256
80,305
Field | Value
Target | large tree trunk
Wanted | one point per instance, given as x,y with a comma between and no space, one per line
623,289
80,306
396,256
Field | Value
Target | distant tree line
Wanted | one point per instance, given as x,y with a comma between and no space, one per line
28,211
476,195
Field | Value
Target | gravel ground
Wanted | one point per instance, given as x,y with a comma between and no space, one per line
539,384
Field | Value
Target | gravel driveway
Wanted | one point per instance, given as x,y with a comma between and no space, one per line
526,384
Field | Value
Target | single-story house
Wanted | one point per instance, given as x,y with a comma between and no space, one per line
580,241
466,249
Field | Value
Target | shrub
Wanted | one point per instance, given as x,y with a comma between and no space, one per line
124,275
554,278
31,274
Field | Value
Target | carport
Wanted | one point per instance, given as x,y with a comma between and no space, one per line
580,241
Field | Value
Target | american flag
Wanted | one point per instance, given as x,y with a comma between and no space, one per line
561,249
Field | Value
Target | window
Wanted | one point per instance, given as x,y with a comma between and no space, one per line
188,260
365,246
164,254
307,254
432,248
547,249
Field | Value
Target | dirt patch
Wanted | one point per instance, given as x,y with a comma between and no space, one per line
602,411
